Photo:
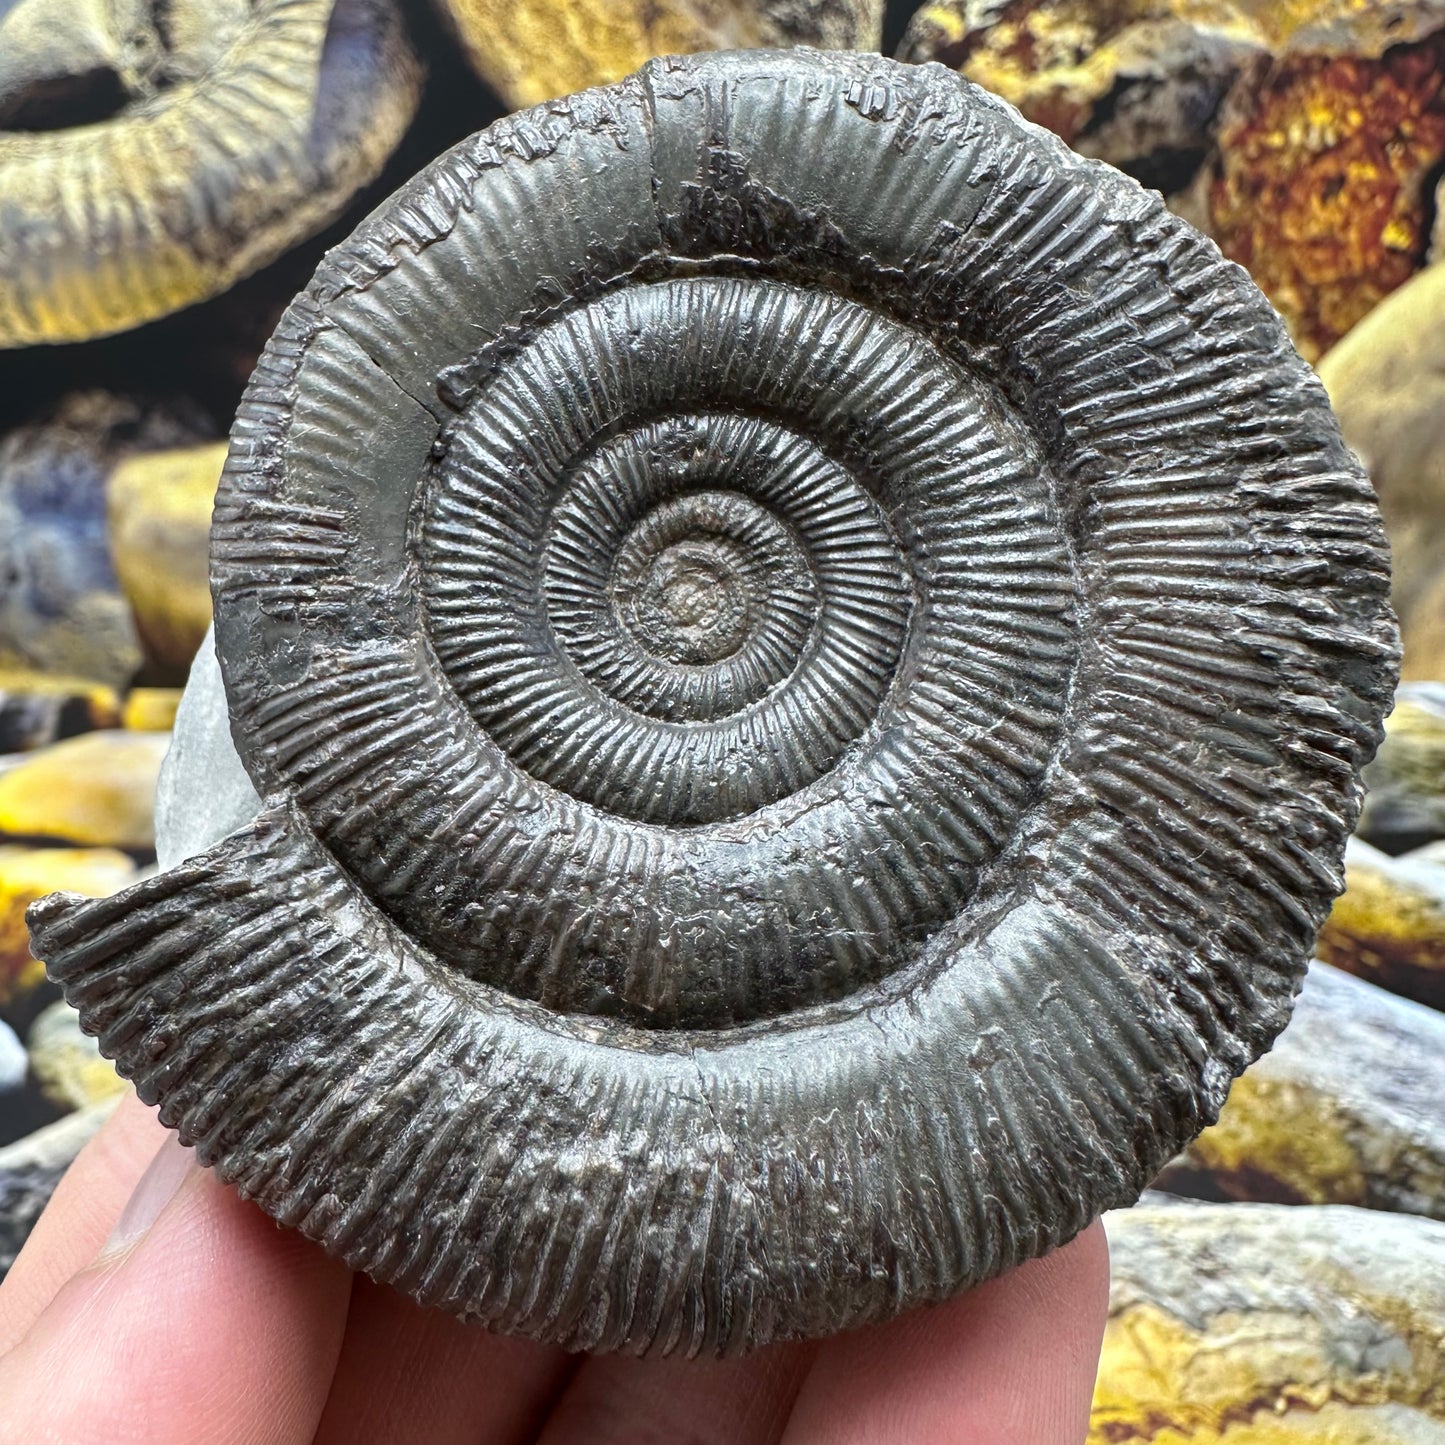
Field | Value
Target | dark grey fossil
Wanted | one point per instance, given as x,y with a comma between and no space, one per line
808,654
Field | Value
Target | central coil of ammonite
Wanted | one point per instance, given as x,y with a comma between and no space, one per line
758,572
807,654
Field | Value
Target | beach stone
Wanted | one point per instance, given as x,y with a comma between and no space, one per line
97,789
30,873
61,605
37,708
1345,1109
535,50
150,709
1257,1324
1305,136
67,1063
31,1167
1386,382
159,509
14,1062
1405,802
1388,925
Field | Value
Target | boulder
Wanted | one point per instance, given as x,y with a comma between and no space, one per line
1256,1324
1345,1109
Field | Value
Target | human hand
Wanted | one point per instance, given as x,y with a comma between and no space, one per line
152,1306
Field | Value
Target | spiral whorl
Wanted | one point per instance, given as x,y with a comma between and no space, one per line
808,654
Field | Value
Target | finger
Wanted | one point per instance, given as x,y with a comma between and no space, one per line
207,1326
1009,1363
615,1400
419,1375
86,1204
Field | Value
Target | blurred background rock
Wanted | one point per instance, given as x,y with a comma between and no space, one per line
1305,1300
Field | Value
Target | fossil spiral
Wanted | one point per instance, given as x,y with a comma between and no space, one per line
807,653
153,152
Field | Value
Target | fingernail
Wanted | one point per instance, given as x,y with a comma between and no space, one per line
163,1177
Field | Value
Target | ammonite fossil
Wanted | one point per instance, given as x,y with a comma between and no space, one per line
807,652
153,153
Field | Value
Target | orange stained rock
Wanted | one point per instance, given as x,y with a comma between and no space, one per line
1320,186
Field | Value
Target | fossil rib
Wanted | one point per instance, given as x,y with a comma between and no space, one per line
237,130
807,654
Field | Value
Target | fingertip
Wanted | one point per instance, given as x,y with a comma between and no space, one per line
80,1213
211,1325
1010,1362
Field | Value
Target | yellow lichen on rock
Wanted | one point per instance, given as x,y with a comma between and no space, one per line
95,789
1389,923
159,506
1260,1133
1344,1109
1271,1325
151,709
1163,1383
30,873
535,50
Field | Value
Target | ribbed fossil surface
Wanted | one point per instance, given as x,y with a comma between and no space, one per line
807,653
152,152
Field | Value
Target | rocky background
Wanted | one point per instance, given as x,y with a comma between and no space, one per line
1255,1301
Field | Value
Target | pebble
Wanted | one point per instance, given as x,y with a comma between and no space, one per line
37,708
159,507
1388,925
31,1167
96,789
67,1063
1386,382
14,1062
1405,802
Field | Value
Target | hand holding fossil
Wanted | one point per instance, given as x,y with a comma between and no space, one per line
232,1330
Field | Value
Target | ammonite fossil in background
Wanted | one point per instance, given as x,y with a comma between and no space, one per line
153,153
807,652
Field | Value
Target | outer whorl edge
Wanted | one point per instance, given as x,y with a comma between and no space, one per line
808,654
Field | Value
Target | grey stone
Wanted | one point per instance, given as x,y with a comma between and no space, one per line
204,792
31,1167
67,1062
13,1061
1301,1324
